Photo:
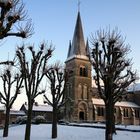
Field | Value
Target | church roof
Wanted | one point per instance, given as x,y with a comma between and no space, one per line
41,108
78,48
97,101
2,108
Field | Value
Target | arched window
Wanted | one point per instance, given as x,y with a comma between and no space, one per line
100,111
126,112
83,71
137,113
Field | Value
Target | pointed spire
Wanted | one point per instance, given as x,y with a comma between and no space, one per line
78,44
87,48
69,51
79,2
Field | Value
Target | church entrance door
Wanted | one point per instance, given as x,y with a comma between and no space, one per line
81,115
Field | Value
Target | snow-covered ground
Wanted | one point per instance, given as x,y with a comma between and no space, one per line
43,132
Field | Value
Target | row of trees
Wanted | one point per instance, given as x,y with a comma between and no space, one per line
31,73
11,15
28,74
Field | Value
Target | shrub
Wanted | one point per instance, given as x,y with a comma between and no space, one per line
21,120
39,119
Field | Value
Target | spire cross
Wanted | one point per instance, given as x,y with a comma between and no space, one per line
79,2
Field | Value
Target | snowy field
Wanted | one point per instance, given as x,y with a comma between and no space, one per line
43,132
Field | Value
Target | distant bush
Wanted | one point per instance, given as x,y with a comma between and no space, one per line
21,120
39,119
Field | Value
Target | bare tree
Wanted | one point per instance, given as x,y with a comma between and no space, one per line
12,85
57,79
33,73
113,71
12,13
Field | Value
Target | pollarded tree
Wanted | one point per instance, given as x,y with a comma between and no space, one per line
113,71
33,73
12,13
57,79
12,84
12,16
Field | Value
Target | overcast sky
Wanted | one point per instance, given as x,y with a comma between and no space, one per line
54,21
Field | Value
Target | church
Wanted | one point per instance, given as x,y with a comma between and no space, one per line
86,105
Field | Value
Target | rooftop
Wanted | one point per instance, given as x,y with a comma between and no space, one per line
43,108
97,101
78,49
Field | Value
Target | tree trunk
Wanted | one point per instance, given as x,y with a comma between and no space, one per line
113,124
6,125
28,124
54,123
109,121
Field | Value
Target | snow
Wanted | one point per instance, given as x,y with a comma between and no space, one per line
2,108
41,108
77,56
15,112
43,132
96,101
127,104
12,112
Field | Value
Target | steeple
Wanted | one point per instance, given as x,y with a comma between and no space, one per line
78,47
87,49
69,51
78,86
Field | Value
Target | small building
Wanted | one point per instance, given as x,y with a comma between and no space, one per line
13,115
126,112
42,110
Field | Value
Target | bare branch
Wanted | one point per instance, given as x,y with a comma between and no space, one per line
47,100
12,12
57,79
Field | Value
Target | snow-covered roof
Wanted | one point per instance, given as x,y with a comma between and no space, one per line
93,83
12,112
134,87
131,88
2,108
43,108
127,104
78,56
16,112
96,101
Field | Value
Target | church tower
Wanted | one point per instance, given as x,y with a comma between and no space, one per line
78,87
